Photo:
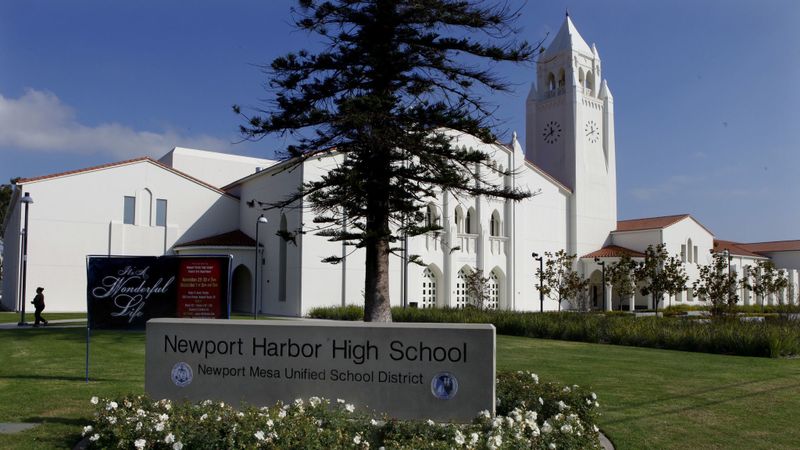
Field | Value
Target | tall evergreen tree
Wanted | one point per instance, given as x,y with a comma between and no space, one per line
392,77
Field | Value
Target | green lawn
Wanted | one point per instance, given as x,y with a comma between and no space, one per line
650,398
12,317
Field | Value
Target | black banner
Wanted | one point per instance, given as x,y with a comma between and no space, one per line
124,292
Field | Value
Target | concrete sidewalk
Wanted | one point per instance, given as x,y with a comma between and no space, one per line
61,323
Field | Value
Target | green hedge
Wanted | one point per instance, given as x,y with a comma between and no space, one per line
773,338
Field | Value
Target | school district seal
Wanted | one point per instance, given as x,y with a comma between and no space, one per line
182,374
444,385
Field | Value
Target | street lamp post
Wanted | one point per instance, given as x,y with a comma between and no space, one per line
603,266
27,200
256,267
728,257
541,274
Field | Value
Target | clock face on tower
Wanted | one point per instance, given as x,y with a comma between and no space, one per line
592,131
551,132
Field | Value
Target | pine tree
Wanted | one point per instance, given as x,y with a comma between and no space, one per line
392,78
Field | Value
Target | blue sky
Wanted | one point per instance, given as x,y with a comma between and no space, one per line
706,93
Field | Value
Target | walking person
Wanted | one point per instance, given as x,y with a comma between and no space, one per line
38,304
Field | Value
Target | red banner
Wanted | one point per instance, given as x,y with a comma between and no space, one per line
200,289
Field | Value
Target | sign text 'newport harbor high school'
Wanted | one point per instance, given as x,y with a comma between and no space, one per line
423,371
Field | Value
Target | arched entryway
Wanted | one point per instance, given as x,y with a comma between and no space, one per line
242,290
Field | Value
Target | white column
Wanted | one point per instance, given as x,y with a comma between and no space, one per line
609,297
632,302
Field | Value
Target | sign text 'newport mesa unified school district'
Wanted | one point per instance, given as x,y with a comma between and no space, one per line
444,372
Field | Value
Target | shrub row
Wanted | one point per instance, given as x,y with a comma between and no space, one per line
530,415
773,338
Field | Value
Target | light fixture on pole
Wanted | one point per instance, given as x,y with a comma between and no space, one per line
256,267
603,265
541,275
27,200
728,257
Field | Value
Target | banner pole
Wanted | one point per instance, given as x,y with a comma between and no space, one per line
88,336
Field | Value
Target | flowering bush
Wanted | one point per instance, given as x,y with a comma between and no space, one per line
530,415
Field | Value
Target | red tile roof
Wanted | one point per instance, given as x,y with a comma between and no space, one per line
613,251
118,164
649,223
234,238
734,248
773,246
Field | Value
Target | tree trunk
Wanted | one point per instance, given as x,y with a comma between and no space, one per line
377,306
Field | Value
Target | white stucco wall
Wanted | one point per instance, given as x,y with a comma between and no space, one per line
217,169
81,214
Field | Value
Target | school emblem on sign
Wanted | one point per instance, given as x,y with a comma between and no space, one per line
444,385
182,374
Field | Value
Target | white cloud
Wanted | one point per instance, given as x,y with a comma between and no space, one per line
39,121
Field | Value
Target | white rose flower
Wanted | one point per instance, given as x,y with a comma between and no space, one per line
177,446
594,396
160,426
373,422
459,438
314,401
566,428
552,446
112,405
112,420
94,437
562,406
595,429
203,417
535,378
139,443
94,400
338,400
169,439
163,417
259,435
281,414
541,402
349,407
270,423
357,439
430,422
87,429
546,427
140,412
473,438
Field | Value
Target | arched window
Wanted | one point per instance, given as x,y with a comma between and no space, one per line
494,225
145,208
469,224
428,295
581,76
589,80
551,82
493,285
562,79
462,297
459,214
282,259
431,219
689,248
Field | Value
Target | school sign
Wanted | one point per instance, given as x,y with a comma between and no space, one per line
444,372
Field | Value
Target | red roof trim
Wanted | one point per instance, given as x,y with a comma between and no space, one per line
119,164
734,248
613,251
772,246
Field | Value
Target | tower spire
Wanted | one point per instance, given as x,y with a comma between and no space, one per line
567,9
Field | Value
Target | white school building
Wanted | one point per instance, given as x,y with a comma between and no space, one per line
199,202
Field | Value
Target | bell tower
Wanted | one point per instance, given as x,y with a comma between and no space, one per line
570,134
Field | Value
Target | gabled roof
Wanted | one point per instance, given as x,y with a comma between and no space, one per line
772,246
543,173
649,223
568,39
235,238
120,164
613,251
734,248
